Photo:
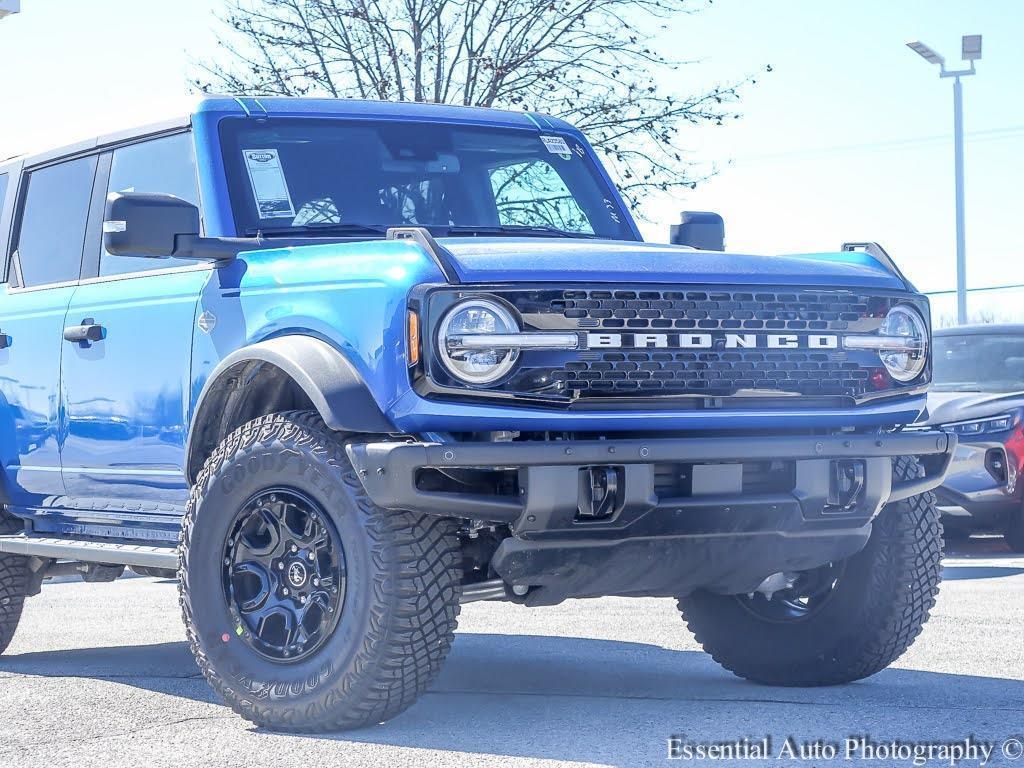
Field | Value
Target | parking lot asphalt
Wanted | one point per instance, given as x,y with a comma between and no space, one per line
99,675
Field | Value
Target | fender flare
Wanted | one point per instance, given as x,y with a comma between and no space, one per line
332,383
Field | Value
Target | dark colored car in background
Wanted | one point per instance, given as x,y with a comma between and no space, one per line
978,392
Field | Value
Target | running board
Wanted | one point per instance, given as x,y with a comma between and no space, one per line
91,551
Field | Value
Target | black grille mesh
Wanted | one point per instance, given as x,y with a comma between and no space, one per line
712,310
715,373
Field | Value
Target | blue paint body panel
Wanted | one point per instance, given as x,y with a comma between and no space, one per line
31,411
131,388
94,436
509,260
351,295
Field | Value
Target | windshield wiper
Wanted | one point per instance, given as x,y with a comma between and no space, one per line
317,230
350,228
515,229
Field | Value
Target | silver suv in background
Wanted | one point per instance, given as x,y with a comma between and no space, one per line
978,392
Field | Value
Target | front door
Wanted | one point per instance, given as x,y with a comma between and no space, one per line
45,263
127,393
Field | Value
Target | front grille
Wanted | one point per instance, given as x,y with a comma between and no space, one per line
675,370
715,374
714,310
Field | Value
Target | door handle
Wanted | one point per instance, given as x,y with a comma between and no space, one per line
86,333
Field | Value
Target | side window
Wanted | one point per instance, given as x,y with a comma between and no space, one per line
52,230
533,194
160,165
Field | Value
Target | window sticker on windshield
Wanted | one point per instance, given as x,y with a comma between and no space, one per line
556,145
269,187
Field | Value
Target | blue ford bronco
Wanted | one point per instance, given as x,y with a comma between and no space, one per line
339,366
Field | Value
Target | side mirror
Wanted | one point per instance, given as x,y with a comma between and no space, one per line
702,230
146,224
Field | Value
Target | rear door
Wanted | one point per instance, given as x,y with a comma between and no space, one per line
127,395
44,264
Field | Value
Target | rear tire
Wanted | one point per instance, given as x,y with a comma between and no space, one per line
874,609
14,578
398,574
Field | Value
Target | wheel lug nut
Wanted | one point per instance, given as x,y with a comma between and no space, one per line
227,561
312,556
316,582
302,599
284,591
294,548
280,566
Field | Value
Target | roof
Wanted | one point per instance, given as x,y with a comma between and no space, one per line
982,329
282,106
100,141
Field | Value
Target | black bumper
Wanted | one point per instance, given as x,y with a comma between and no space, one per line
724,541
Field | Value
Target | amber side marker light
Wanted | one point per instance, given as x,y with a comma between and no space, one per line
414,338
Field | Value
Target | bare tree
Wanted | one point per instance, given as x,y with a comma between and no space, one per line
585,61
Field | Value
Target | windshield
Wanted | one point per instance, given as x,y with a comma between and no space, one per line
976,363
349,177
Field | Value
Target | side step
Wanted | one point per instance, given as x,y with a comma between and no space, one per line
91,551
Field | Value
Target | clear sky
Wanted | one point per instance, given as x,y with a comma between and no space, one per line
849,138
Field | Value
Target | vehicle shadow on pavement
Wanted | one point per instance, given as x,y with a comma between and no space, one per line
599,701
164,667
616,703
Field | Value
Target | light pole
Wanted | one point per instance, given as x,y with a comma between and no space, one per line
970,51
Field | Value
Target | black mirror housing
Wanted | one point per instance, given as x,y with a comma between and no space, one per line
702,230
147,224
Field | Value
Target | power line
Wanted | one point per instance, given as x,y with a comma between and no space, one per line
979,136
973,290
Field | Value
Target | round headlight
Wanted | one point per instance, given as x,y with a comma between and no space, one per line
906,361
476,365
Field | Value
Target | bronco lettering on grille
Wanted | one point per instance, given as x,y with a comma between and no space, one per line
711,341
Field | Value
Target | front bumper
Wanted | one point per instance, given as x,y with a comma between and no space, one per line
969,495
720,539
412,413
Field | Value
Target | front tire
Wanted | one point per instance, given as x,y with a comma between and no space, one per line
859,617
373,645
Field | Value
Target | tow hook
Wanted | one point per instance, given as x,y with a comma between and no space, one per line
600,492
846,482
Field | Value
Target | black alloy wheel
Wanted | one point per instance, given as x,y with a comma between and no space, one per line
284,575
810,593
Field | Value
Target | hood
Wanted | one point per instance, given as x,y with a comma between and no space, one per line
545,259
948,407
